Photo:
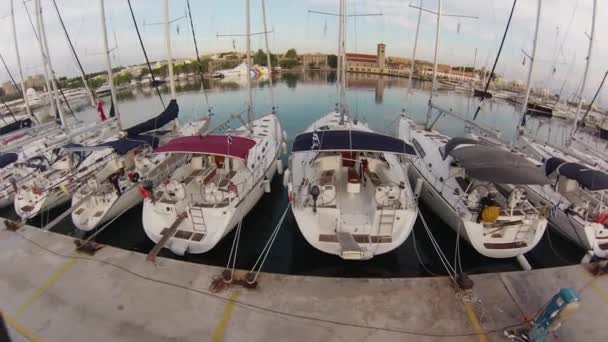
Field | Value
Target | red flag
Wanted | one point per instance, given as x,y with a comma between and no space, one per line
100,110
145,194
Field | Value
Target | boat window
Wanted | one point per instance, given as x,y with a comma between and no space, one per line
418,148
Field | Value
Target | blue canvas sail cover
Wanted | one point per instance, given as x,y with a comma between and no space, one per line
7,159
347,140
588,178
15,126
124,145
170,113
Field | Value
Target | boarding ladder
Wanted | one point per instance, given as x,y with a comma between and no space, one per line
387,221
388,213
197,218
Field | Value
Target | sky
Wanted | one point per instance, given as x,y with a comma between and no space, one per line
562,43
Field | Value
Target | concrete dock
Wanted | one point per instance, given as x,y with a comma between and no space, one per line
49,292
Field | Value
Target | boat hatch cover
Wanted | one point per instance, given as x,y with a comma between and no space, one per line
223,145
350,140
8,158
121,146
496,165
588,178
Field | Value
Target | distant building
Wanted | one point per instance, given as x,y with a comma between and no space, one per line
445,71
374,64
225,61
8,89
314,61
36,82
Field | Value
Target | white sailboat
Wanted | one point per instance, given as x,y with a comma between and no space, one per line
348,188
578,202
223,178
115,189
576,196
461,183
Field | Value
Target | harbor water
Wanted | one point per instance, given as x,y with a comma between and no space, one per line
301,99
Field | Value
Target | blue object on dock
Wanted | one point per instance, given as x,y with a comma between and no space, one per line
561,306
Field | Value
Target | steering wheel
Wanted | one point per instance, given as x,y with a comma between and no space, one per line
516,196
476,194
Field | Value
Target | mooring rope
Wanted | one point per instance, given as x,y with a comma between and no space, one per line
266,250
234,250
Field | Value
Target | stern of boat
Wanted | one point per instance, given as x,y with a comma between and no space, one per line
507,237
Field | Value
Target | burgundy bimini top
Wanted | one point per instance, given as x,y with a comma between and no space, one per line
222,145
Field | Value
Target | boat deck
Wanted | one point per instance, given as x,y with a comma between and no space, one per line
47,292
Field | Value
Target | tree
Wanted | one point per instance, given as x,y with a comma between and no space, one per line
291,53
259,57
123,78
289,63
332,61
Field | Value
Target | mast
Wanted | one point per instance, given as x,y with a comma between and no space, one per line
47,81
83,76
343,20
45,46
339,66
109,62
474,63
169,51
584,84
531,69
437,31
250,96
23,90
268,62
413,61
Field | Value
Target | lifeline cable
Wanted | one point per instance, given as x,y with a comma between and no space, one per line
14,84
198,58
504,36
141,42
86,80
54,79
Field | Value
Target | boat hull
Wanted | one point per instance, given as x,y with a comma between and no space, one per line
151,219
482,94
468,230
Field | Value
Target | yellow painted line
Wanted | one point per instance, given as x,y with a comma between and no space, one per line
20,329
594,287
600,292
481,335
221,328
46,286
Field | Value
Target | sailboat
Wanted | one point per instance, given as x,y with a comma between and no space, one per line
576,195
102,156
115,189
461,181
348,188
224,177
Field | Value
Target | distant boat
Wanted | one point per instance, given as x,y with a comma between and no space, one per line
104,90
482,94
539,109
602,128
240,71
